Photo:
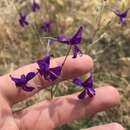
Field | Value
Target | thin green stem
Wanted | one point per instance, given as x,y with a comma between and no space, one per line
66,56
51,91
99,21
48,46
52,95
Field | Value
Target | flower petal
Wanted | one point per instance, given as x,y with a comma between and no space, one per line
88,83
44,64
22,20
46,26
56,70
19,81
91,91
76,51
35,6
77,81
30,75
82,95
77,37
63,39
54,73
27,89
52,76
122,20
122,15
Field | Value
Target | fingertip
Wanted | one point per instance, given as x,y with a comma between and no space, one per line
112,98
111,126
74,67
85,63
116,126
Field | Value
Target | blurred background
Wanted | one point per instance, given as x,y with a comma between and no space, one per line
104,39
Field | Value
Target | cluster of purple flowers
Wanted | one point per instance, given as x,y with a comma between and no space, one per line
53,73
44,70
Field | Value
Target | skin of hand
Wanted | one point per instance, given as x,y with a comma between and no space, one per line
49,114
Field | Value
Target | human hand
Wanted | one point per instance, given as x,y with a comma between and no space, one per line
50,114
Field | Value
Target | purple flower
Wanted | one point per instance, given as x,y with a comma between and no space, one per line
76,51
46,26
73,41
22,20
50,74
122,15
87,85
23,80
35,6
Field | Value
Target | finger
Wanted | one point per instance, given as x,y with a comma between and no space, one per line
7,122
72,68
61,110
112,126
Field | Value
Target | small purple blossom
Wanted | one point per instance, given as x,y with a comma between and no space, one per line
35,6
22,20
76,51
23,80
87,85
122,15
50,74
46,26
73,41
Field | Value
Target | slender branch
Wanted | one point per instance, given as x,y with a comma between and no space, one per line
66,55
51,38
99,20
